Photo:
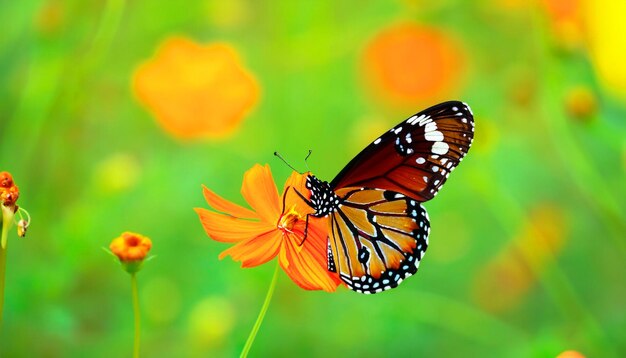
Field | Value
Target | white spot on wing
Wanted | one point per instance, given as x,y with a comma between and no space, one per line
440,148
434,136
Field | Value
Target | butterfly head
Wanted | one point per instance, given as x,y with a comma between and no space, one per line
323,199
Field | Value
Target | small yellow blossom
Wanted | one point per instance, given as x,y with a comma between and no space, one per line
131,247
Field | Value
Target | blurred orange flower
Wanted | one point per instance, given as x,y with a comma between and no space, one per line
131,247
506,278
196,90
580,102
566,21
9,193
274,228
412,63
570,354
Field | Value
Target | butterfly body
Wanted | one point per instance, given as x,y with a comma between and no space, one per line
378,229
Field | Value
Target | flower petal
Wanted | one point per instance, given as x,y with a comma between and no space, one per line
297,182
220,204
257,250
226,228
306,264
260,192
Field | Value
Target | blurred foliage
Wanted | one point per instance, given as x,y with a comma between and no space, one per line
528,241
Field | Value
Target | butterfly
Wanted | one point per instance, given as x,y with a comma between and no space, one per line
378,228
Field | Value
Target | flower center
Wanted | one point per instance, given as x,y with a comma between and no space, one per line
132,241
289,219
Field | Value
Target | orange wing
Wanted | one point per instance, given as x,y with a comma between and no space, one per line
377,238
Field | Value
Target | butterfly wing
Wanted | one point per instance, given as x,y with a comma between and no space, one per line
377,238
416,156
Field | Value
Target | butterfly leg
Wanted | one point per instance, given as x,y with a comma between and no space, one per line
284,201
306,229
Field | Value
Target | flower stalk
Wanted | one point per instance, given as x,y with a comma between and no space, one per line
259,320
3,265
133,284
132,249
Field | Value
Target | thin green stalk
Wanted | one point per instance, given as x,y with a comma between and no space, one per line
259,320
3,265
133,284
5,224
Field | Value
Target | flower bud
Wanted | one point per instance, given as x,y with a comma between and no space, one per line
131,249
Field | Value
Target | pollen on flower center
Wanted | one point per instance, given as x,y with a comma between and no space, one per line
288,220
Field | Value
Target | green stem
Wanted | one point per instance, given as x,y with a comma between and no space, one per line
3,265
259,320
133,284
5,225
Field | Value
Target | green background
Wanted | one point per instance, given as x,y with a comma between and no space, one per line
69,123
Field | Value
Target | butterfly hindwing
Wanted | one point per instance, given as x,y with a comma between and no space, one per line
416,156
377,238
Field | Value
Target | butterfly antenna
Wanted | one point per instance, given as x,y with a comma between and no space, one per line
305,160
284,161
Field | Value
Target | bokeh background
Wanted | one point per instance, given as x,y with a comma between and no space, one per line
114,113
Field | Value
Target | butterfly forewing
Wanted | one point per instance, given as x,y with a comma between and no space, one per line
377,238
416,156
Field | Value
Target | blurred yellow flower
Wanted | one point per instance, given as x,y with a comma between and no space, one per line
117,173
196,90
506,278
131,247
605,28
209,324
408,63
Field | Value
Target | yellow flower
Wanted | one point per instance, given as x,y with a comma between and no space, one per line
605,29
275,228
131,247
196,90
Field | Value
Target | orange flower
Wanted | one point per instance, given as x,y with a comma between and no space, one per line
272,229
412,63
9,193
580,102
195,90
131,247
570,354
566,21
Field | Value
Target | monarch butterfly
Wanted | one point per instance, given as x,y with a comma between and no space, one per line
378,229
